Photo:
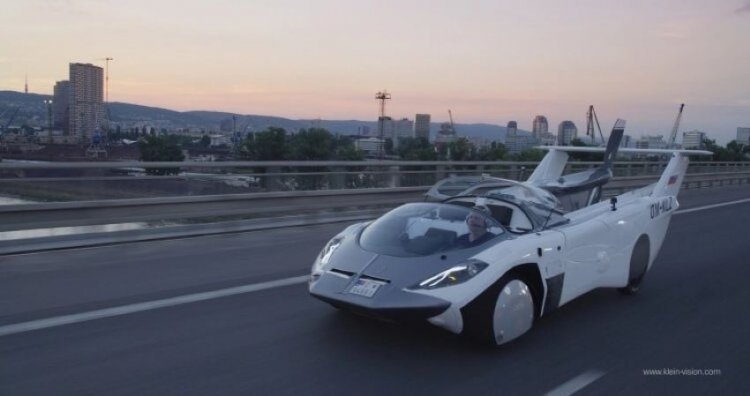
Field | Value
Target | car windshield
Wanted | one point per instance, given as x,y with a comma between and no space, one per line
422,229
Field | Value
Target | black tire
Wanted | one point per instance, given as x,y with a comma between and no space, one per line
478,315
638,265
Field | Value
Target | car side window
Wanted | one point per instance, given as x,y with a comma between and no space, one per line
511,217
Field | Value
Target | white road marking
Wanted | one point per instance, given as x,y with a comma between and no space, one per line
718,205
575,384
146,306
204,296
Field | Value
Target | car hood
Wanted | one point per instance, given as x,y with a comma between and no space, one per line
351,259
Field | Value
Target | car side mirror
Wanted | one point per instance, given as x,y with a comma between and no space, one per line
613,202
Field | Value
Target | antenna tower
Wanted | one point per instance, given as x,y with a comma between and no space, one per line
382,97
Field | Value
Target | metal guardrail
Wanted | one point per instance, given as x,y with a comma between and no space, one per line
266,204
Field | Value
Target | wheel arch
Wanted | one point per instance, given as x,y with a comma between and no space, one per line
530,273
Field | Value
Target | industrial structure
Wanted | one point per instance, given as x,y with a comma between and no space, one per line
382,96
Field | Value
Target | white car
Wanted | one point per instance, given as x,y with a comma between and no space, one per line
489,265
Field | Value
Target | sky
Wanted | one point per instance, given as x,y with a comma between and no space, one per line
487,61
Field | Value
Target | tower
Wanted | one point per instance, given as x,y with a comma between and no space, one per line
86,100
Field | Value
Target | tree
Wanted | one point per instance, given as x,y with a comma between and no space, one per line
268,145
315,144
160,148
582,156
529,155
732,152
495,152
460,150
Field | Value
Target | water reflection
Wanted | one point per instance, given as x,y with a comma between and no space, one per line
12,201
59,231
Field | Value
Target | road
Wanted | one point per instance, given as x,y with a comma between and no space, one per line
690,314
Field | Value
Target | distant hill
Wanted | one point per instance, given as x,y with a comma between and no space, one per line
32,111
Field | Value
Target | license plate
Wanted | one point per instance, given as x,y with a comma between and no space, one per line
365,288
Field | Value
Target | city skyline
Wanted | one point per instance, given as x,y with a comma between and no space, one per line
635,61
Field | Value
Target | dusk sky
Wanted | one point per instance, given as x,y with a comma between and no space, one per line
487,61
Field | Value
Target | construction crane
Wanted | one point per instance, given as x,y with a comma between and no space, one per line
591,117
673,135
450,117
106,77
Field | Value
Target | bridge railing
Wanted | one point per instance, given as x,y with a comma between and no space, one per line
86,181
68,185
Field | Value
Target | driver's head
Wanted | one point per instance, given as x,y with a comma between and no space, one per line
477,221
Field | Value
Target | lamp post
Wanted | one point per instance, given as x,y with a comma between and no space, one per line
48,102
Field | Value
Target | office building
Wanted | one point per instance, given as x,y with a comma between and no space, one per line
693,140
743,135
86,101
540,128
422,126
61,106
566,132
651,142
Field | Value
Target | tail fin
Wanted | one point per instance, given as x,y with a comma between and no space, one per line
613,144
671,179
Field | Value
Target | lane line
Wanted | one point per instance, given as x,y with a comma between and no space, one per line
146,306
197,297
575,384
713,206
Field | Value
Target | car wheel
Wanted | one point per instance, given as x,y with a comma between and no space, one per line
502,313
638,265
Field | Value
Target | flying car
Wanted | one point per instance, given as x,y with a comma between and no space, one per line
488,262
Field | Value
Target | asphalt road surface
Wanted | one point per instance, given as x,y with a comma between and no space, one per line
149,318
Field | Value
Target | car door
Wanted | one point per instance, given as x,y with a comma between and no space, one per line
587,257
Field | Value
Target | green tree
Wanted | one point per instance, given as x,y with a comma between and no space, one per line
160,148
583,156
268,145
494,152
460,150
314,144
529,155
732,152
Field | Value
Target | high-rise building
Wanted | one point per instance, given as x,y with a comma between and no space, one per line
403,128
387,127
540,128
511,128
651,142
422,126
743,135
693,140
61,106
566,132
515,141
86,100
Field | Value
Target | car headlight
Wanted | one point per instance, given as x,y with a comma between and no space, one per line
325,255
454,275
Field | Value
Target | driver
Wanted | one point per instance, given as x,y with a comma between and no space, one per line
478,225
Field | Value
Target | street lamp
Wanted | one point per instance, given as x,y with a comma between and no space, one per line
48,102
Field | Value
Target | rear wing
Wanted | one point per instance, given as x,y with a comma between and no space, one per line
670,181
553,164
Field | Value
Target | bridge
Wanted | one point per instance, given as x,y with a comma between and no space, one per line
221,308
